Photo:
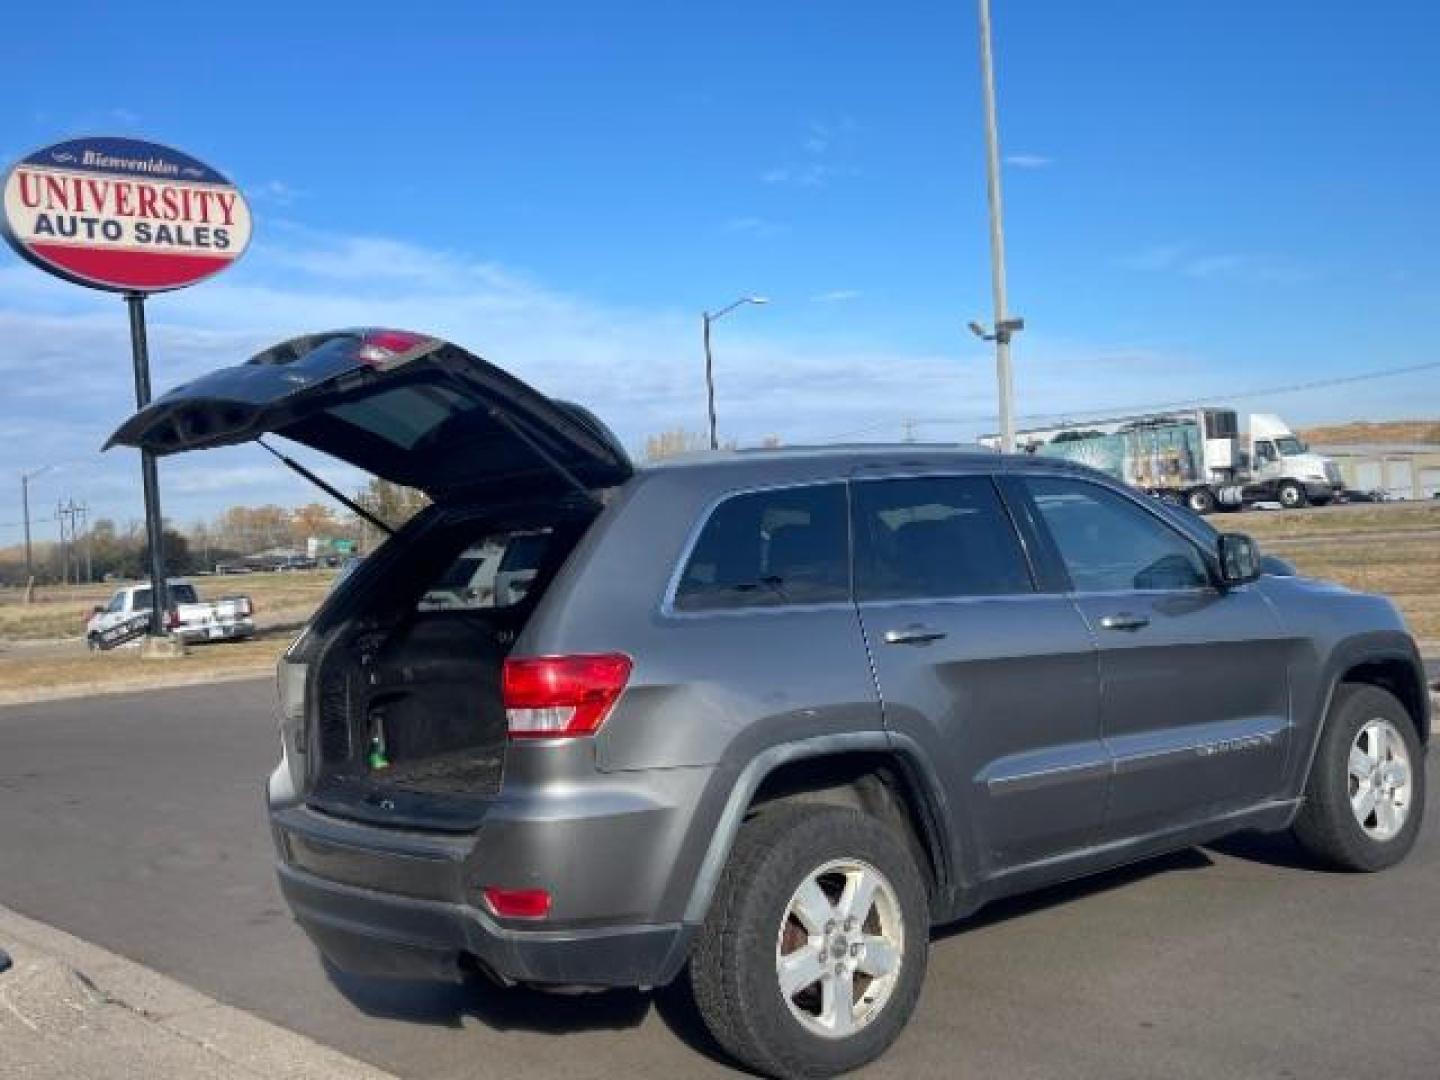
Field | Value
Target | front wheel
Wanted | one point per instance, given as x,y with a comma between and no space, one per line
813,954
1292,495
1366,792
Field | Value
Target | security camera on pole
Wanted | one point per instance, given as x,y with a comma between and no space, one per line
134,218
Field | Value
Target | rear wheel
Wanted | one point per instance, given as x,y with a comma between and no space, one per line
1201,500
1291,495
814,951
1366,792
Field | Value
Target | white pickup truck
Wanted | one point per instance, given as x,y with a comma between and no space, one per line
127,615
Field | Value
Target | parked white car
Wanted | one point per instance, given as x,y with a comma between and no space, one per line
189,618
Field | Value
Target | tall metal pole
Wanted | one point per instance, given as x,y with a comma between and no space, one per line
710,382
1003,374
25,503
706,318
154,526
25,479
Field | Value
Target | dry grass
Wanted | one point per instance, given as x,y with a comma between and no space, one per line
79,674
1397,431
1348,522
61,611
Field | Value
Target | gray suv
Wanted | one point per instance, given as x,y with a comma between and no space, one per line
765,718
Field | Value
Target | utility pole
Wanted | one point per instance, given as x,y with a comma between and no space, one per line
64,554
25,479
1004,324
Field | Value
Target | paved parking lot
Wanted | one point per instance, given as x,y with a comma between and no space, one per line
135,822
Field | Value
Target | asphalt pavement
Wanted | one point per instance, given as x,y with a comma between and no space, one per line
136,822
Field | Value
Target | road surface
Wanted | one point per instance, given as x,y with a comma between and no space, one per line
135,822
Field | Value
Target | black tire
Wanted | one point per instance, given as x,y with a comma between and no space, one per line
1327,827
1292,495
92,642
1200,500
733,969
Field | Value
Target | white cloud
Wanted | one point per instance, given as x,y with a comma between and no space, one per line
826,150
754,226
67,363
1029,161
1254,267
273,193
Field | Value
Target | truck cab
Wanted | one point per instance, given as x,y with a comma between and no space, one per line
1279,459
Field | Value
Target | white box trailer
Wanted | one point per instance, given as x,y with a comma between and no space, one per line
1194,456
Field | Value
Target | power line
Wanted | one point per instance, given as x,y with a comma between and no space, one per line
1188,403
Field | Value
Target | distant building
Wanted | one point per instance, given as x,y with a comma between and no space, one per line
1400,470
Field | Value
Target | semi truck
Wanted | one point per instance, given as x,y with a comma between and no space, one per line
1196,457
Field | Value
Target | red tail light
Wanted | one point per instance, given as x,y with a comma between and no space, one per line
549,697
517,903
382,348
172,619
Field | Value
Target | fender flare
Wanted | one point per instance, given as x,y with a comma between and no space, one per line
1365,648
927,785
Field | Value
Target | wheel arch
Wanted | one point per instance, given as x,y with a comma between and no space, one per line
1387,659
879,772
1399,676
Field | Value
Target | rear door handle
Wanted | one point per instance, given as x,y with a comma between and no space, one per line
1124,621
914,634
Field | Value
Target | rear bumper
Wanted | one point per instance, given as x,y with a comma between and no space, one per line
240,628
379,934
401,902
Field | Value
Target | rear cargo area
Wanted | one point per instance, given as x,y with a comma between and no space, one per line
408,720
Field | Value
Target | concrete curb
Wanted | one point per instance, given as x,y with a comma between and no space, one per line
69,1008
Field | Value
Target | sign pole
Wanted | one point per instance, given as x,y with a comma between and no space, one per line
154,525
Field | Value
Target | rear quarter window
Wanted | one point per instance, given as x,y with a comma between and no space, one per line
769,549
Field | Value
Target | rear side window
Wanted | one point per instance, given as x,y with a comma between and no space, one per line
496,571
770,548
935,537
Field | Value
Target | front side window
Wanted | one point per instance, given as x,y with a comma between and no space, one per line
935,537
770,548
1109,544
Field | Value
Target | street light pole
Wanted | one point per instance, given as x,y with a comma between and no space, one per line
1004,325
25,479
706,318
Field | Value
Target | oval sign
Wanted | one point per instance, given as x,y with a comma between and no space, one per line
124,215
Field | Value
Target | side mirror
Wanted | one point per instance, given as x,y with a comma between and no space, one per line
1239,559
98,609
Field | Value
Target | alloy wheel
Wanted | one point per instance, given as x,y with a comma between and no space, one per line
1380,783
839,949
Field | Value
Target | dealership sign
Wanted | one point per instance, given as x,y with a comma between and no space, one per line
123,215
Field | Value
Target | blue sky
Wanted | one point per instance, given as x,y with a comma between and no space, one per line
1202,199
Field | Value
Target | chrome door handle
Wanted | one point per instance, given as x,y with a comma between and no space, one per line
915,634
1124,621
